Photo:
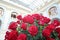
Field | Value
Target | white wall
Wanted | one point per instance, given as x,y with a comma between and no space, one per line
45,12
6,17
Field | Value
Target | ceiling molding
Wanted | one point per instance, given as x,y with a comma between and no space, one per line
38,9
44,7
16,6
50,4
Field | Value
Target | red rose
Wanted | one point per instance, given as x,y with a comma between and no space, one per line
28,19
13,25
18,21
41,22
41,17
22,37
46,33
50,27
59,35
36,16
12,35
57,30
7,35
46,20
24,26
33,30
19,17
56,22
48,30
50,39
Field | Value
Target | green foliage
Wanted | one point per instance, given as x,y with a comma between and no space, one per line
54,35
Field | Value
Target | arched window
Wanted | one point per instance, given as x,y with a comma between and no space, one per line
52,11
13,14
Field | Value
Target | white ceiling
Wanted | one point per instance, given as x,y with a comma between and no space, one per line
30,4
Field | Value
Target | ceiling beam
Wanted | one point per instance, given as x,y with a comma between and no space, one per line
44,7
16,6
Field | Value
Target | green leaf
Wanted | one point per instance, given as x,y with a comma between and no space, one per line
41,28
25,31
54,34
29,37
45,25
18,29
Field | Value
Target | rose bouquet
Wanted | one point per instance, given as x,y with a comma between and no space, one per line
33,27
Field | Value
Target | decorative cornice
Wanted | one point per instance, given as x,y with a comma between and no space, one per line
42,8
18,7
